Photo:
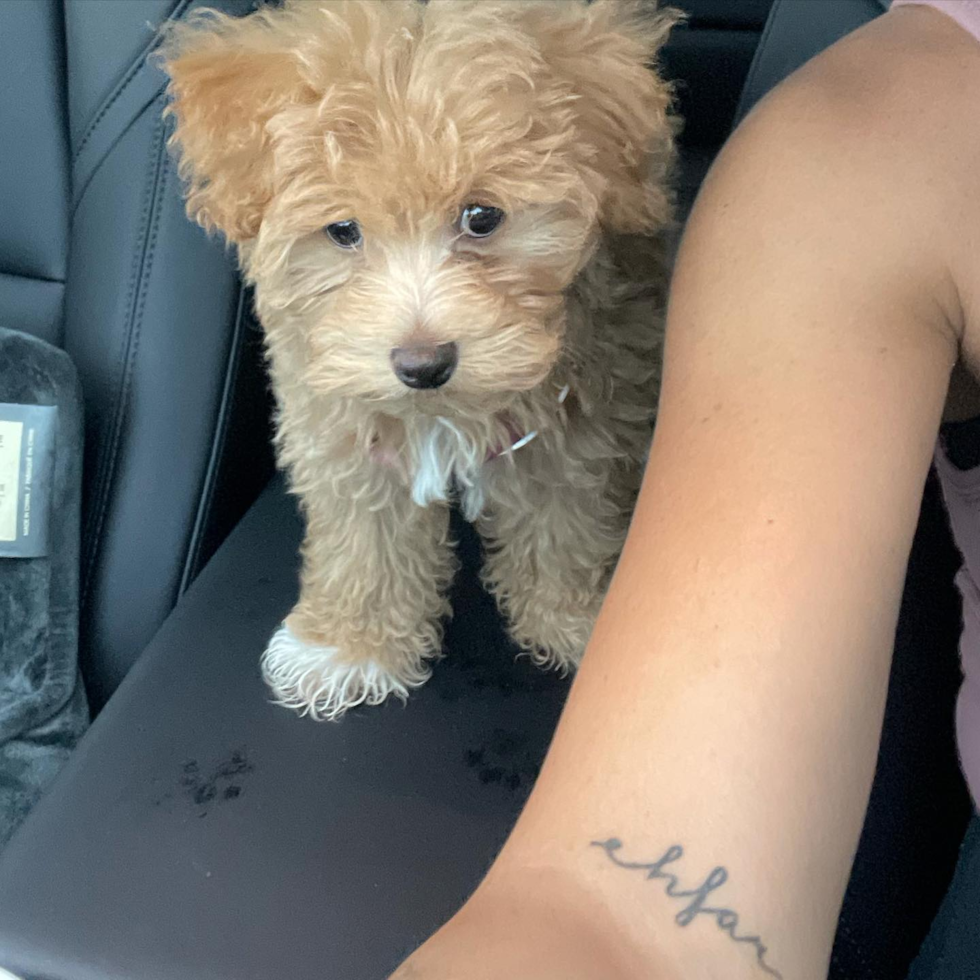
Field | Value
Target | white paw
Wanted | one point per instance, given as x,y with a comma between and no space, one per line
317,681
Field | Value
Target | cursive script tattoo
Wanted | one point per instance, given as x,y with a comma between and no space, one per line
726,919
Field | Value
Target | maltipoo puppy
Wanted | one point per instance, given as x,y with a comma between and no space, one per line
451,214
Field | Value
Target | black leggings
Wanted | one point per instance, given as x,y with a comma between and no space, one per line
951,951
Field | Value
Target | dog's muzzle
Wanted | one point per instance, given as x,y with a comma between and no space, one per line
425,365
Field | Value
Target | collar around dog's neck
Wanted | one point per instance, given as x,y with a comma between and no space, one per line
521,439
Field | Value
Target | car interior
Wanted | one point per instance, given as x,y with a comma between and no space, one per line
198,830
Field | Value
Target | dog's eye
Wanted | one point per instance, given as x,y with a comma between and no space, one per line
346,234
479,220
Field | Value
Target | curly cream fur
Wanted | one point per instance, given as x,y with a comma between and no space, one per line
317,681
398,115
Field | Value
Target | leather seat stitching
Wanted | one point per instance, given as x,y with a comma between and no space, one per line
125,82
136,301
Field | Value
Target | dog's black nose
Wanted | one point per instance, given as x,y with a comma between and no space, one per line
425,365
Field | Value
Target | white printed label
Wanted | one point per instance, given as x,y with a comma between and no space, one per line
11,434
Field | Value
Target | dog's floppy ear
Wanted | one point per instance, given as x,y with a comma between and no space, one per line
607,52
228,77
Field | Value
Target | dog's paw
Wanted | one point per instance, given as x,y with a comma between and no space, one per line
320,682
563,660
554,640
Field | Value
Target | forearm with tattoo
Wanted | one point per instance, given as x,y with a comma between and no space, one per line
697,903
726,919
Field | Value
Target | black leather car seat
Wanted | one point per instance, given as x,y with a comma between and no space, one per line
97,257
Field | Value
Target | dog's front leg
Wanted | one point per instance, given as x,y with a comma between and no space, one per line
553,532
376,567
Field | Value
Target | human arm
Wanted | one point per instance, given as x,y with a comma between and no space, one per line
731,698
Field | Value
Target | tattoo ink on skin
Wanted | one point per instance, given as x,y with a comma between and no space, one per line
726,919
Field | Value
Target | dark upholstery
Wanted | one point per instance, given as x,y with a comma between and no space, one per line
34,178
200,831
97,257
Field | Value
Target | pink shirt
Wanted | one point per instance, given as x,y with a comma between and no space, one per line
965,12
961,489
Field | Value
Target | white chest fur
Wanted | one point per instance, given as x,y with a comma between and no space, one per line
445,457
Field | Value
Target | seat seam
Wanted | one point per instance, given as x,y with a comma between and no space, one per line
20,275
125,81
154,100
218,439
78,193
136,302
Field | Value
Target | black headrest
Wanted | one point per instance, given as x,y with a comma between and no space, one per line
795,32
